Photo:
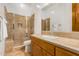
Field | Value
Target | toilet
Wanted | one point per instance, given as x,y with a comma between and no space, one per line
27,45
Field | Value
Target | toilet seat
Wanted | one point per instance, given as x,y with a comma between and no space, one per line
28,42
27,45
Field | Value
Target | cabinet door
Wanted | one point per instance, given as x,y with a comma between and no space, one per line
62,52
44,45
36,50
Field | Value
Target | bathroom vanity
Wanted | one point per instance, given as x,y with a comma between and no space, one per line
46,45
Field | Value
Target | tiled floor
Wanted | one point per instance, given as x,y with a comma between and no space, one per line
11,51
17,52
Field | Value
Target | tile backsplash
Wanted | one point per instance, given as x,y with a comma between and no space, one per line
74,35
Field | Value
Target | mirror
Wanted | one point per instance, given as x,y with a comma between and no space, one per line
63,17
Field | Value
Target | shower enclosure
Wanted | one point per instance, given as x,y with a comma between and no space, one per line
16,28
19,28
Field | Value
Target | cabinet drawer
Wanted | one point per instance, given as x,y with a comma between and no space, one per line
43,44
62,52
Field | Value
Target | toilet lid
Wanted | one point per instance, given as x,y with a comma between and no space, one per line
28,42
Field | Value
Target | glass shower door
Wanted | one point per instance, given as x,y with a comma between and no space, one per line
0,31
1,42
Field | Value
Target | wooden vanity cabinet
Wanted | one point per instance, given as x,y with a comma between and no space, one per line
38,51
44,48
41,48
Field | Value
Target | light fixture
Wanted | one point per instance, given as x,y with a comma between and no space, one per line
38,6
42,5
46,4
52,12
22,5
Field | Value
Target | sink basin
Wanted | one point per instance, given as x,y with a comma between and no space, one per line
49,37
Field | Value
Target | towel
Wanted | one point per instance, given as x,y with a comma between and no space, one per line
3,29
0,29
5,35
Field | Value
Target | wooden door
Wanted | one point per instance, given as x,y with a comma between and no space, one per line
19,29
75,16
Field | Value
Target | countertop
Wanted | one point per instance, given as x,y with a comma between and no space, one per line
66,43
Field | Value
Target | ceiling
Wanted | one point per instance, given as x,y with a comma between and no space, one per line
43,6
38,5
